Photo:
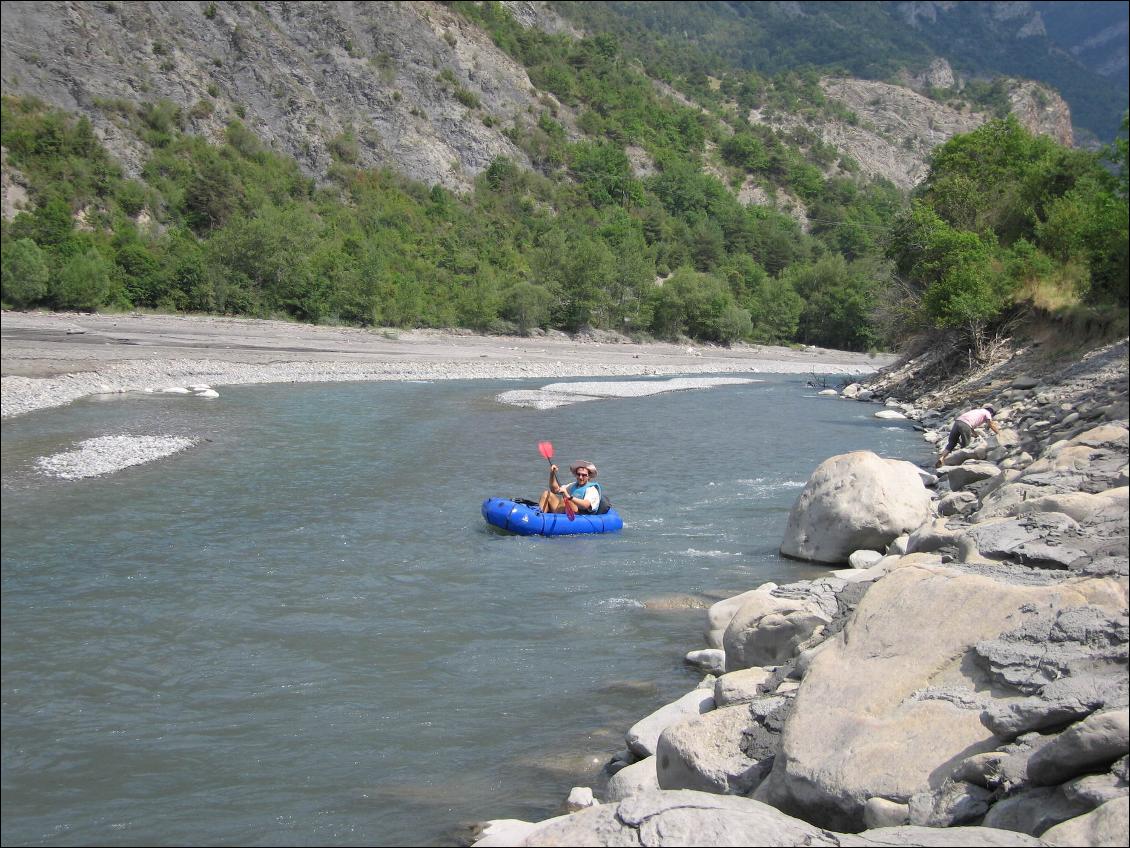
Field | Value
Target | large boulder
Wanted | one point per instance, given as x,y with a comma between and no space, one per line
685,817
852,501
970,473
1081,506
1094,790
1045,539
722,613
1034,810
706,753
767,630
632,780
643,736
1098,740
1052,648
1090,461
741,686
895,701
679,817
500,833
1106,826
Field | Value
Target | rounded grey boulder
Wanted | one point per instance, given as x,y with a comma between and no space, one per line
855,501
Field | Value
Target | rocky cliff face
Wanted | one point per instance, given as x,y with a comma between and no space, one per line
1042,111
1096,37
420,90
898,128
537,15
409,86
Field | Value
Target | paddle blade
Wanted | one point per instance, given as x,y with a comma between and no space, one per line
546,449
570,510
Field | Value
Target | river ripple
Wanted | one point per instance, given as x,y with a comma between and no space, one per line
300,631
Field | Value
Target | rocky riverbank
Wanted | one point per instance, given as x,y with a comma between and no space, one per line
963,682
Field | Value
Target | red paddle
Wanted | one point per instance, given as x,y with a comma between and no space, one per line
546,450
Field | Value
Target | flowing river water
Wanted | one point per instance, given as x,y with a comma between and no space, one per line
301,632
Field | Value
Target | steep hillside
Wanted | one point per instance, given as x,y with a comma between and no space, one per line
495,166
1076,48
1094,33
414,87
411,86
893,129
1062,44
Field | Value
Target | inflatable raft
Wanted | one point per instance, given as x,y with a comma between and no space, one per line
530,521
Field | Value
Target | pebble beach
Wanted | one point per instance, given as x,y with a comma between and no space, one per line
51,359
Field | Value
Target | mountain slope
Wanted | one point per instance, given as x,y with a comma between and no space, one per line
415,87
881,40
411,86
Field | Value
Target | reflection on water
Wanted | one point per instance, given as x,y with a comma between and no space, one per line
300,631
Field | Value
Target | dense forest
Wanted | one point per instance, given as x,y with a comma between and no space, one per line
1004,219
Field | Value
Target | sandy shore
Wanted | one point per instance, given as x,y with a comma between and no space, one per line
50,359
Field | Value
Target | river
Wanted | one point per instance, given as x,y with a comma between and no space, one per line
301,632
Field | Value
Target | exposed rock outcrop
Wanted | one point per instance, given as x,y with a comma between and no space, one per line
410,86
896,128
895,698
685,817
13,188
302,75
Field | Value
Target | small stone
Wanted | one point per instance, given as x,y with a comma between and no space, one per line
580,798
882,812
710,659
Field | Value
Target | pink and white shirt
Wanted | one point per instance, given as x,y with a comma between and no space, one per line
975,417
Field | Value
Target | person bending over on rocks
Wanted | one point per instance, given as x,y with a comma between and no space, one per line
962,431
584,494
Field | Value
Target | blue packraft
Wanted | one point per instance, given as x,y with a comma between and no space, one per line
525,520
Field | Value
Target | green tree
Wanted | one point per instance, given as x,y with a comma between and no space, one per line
526,305
697,305
839,300
25,273
588,277
268,259
775,308
1089,225
185,272
954,270
605,174
213,192
745,151
141,274
50,225
84,282
1119,155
